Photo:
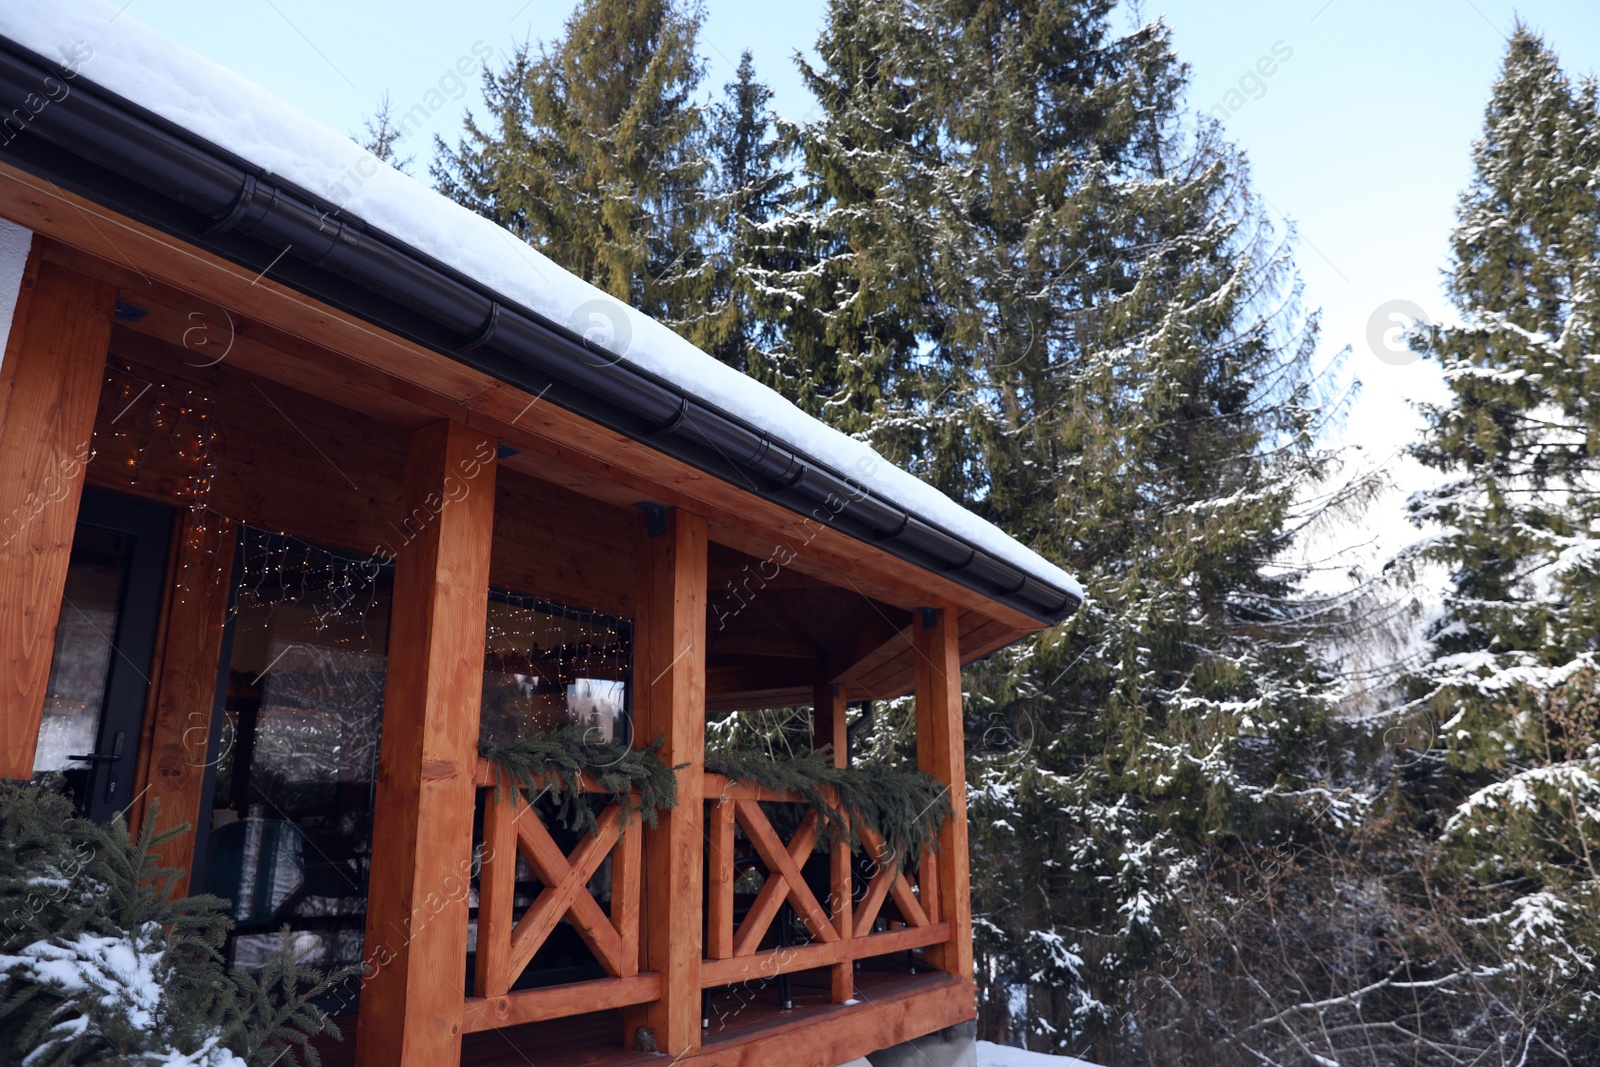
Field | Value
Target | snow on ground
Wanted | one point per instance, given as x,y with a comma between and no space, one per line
992,1055
99,43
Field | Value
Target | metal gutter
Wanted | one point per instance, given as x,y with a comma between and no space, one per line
138,164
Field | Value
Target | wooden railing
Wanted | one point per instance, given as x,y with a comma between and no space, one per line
841,929
507,944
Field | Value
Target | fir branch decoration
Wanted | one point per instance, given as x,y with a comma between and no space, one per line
553,765
906,807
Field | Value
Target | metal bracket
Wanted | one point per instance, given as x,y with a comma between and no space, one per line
655,518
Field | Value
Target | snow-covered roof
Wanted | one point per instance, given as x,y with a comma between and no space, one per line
110,48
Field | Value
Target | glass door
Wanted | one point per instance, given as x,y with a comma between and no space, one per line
289,833
105,639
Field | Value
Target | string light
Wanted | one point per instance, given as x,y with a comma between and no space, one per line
144,412
335,589
539,653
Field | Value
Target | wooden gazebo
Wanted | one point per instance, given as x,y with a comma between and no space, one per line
221,379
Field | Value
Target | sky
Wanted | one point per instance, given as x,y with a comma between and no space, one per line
1359,138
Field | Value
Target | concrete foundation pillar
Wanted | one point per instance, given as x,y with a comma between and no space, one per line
954,1046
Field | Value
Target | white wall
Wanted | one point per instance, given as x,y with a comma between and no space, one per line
14,244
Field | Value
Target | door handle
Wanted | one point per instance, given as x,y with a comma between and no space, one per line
105,757
108,758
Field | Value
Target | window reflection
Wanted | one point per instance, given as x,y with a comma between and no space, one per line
80,666
549,666
291,834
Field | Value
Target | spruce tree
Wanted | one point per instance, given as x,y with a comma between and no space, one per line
1510,672
1519,432
595,151
752,184
1031,281
381,134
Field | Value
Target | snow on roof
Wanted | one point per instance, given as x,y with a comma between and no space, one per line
117,52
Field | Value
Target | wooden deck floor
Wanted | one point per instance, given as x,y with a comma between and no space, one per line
739,1016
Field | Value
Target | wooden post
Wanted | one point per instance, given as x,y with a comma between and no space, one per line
416,940
719,894
941,751
828,722
184,685
828,727
669,676
49,390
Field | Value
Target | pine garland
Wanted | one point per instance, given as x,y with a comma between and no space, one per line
907,808
553,766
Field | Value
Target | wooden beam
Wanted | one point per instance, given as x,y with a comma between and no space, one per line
497,890
757,674
879,640
941,752
776,961
416,938
824,1036
669,703
174,758
627,891
776,645
792,697
719,893
50,376
556,1002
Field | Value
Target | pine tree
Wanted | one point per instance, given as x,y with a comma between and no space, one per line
1030,284
595,151
752,185
1510,674
1519,433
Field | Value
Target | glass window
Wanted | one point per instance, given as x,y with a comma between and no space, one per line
549,666
291,826
80,666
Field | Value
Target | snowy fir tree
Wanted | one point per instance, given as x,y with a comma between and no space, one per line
101,964
1033,282
1514,522
1510,675
595,150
